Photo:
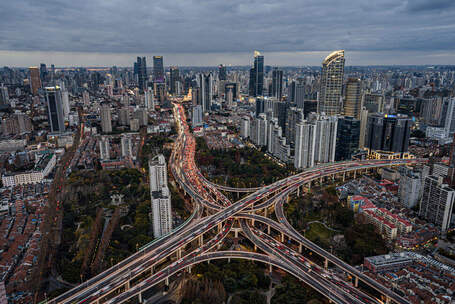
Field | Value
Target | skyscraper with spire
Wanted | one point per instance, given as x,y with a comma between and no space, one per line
330,98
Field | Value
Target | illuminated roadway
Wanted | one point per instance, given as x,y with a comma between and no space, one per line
213,220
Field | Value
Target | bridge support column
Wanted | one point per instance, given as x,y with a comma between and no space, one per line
127,285
320,180
282,237
298,191
309,185
255,248
189,269
265,212
236,233
252,222
167,281
270,268
300,247
151,269
355,174
219,227
201,240
356,282
140,297
229,260
179,254
344,176
387,300
268,229
326,264
238,195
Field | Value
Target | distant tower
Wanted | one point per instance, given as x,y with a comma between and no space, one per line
55,109
277,83
141,70
206,91
158,69
353,100
331,84
256,84
35,80
222,72
175,78
4,96
106,120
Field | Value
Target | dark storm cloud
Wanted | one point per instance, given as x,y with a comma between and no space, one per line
429,5
199,26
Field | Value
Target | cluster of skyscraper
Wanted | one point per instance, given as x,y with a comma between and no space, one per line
336,127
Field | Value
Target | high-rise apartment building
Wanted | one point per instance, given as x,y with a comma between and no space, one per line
127,146
353,98
330,98
86,98
256,84
305,140
4,96
374,103
106,120
149,99
294,115
104,148
160,196
55,109
437,202
35,80
363,127
124,116
158,69
196,117
245,127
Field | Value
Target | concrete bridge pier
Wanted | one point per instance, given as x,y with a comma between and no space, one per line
219,227
127,285
298,191
265,212
268,229
179,254
282,237
300,247
344,176
355,174
189,269
140,297
201,240
356,282
236,233
167,281
326,264
270,268
255,248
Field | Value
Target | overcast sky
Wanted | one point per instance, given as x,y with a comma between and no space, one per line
209,32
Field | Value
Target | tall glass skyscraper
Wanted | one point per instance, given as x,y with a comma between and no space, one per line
353,100
140,68
331,84
256,84
158,69
55,109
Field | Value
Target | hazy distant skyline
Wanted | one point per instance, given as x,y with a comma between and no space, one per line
206,33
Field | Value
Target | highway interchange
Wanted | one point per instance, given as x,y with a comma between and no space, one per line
214,218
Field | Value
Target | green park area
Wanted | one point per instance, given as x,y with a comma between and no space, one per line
242,168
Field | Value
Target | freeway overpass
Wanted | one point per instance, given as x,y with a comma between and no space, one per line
198,239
